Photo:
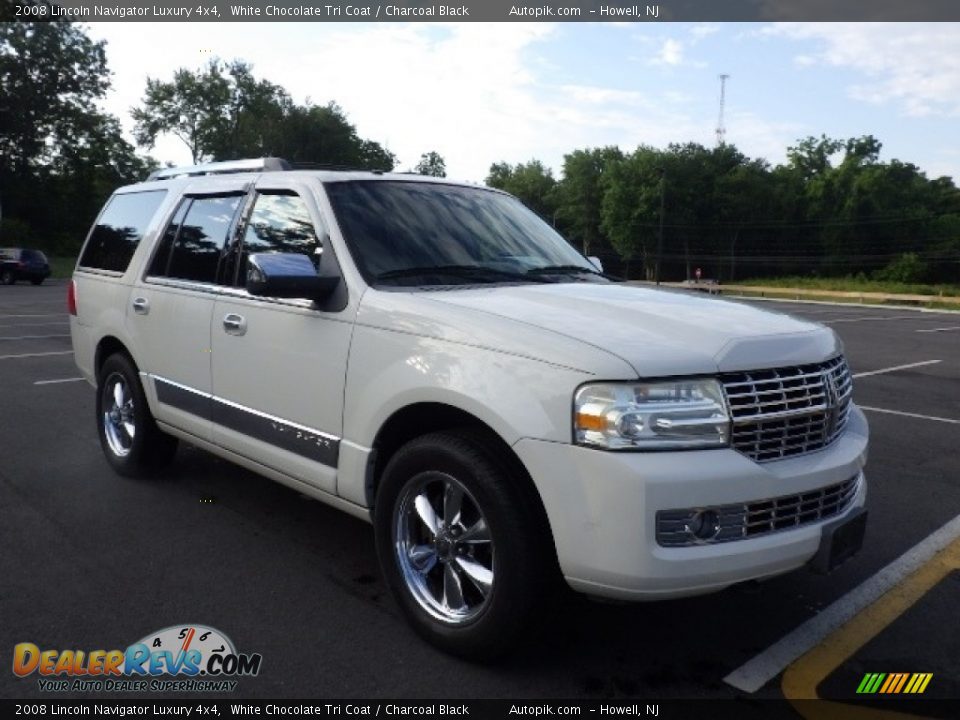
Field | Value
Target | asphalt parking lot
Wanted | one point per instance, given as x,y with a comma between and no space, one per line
91,560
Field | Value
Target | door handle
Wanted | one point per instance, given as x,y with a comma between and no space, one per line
234,324
141,306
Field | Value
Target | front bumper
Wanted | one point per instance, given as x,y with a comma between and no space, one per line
602,509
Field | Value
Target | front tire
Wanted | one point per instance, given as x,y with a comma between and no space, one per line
131,441
7,277
460,543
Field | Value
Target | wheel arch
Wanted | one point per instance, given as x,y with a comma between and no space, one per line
107,346
422,418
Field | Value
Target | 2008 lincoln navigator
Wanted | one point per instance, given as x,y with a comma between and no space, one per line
434,358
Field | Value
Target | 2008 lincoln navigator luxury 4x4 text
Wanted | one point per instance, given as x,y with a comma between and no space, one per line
434,358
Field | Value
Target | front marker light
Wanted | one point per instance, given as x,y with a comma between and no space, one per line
679,414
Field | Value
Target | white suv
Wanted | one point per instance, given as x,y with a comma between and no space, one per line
432,357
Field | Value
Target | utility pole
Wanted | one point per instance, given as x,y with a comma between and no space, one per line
721,129
663,192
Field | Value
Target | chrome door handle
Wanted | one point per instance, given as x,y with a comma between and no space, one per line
141,306
234,324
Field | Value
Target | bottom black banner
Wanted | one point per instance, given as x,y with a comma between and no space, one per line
714,709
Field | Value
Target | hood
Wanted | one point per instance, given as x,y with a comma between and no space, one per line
658,332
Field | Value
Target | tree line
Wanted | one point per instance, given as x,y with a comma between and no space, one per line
832,208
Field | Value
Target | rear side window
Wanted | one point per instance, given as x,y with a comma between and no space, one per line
200,239
119,230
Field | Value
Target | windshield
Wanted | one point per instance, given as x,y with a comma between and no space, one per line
417,233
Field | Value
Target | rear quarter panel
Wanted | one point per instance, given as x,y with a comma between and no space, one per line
101,305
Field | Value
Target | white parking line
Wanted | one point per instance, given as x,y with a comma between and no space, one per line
34,324
59,314
758,671
852,306
911,415
869,319
34,337
945,329
895,368
55,382
39,354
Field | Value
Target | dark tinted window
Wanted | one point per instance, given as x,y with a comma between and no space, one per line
393,226
33,256
202,236
161,257
120,229
279,222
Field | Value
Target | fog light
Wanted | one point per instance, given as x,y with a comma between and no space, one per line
704,525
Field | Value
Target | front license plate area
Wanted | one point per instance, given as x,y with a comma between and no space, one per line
840,541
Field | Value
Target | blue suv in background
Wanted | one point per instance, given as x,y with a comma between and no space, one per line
22,264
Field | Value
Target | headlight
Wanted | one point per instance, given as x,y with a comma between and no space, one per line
651,416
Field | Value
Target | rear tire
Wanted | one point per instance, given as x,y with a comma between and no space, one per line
131,441
461,543
36,281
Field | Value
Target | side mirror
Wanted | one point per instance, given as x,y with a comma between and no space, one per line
287,275
596,262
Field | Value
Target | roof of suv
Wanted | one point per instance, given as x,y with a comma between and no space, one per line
276,167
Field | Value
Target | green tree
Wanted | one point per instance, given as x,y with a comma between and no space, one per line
431,163
220,111
60,157
322,134
51,75
531,182
811,156
579,195
223,112
630,209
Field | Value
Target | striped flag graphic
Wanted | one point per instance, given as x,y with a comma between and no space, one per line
894,683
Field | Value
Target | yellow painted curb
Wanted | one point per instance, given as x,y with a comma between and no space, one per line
801,679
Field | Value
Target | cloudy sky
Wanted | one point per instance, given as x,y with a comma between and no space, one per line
480,93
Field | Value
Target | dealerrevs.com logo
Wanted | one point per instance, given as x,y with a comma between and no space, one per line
181,658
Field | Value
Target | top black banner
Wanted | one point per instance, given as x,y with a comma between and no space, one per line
485,11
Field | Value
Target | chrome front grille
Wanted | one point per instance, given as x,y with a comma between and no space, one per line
739,521
790,411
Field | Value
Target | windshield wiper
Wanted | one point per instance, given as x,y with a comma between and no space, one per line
564,270
469,272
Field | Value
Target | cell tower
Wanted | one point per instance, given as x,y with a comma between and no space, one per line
721,130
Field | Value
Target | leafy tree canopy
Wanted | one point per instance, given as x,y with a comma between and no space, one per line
431,163
223,112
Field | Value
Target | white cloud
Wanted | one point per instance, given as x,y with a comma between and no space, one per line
476,93
758,137
466,90
671,53
701,31
914,66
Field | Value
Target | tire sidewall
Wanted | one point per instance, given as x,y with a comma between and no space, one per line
491,632
130,463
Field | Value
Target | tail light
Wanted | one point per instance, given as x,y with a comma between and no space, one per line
72,298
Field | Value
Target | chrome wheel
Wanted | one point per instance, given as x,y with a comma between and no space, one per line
118,415
444,548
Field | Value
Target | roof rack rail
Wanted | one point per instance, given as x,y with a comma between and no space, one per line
221,168
309,165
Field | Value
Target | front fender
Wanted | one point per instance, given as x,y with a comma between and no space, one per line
516,396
